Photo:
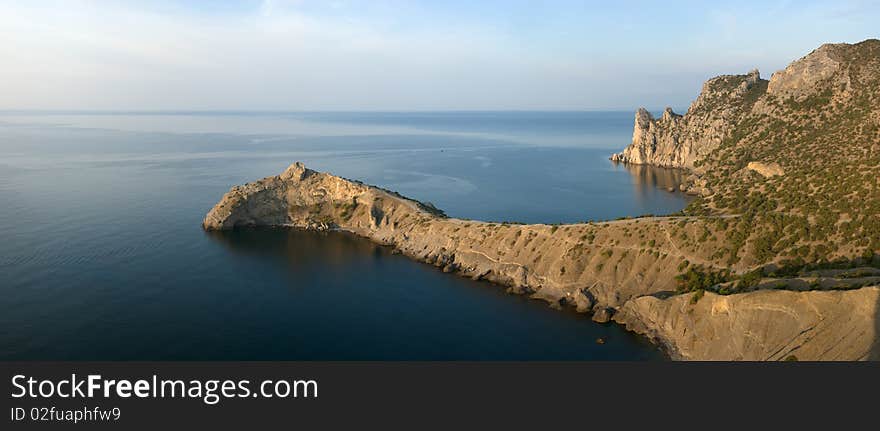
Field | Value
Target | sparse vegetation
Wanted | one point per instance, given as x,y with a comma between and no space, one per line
826,206
699,278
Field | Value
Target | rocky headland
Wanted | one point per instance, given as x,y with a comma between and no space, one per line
776,260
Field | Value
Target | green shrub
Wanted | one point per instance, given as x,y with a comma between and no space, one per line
697,296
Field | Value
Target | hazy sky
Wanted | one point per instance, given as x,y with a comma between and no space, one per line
400,55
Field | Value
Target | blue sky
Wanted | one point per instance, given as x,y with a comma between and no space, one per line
400,55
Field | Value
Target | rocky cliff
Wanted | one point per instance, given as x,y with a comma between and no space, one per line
764,325
679,141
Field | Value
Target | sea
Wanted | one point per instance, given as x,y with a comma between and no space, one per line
102,256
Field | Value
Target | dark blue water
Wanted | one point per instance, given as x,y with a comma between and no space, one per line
102,256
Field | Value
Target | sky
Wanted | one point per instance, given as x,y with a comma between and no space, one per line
392,55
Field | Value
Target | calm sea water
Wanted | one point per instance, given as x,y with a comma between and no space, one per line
102,255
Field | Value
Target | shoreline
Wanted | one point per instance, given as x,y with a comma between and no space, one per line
393,250
624,271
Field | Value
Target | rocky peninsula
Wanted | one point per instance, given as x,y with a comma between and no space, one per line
758,267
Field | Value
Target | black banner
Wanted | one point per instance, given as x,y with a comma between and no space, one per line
414,395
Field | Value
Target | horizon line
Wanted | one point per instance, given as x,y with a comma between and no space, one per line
314,111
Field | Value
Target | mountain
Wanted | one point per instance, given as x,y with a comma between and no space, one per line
797,157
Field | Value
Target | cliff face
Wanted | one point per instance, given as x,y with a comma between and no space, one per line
680,141
677,141
804,76
617,270
765,325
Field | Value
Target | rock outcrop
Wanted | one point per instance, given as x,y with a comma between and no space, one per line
801,77
766,169
765,325
679,141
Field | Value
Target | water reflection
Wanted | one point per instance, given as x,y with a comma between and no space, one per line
648,181
300,250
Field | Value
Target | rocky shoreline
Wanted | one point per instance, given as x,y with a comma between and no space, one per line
601,268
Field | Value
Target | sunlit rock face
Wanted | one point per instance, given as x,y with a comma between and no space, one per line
678,141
